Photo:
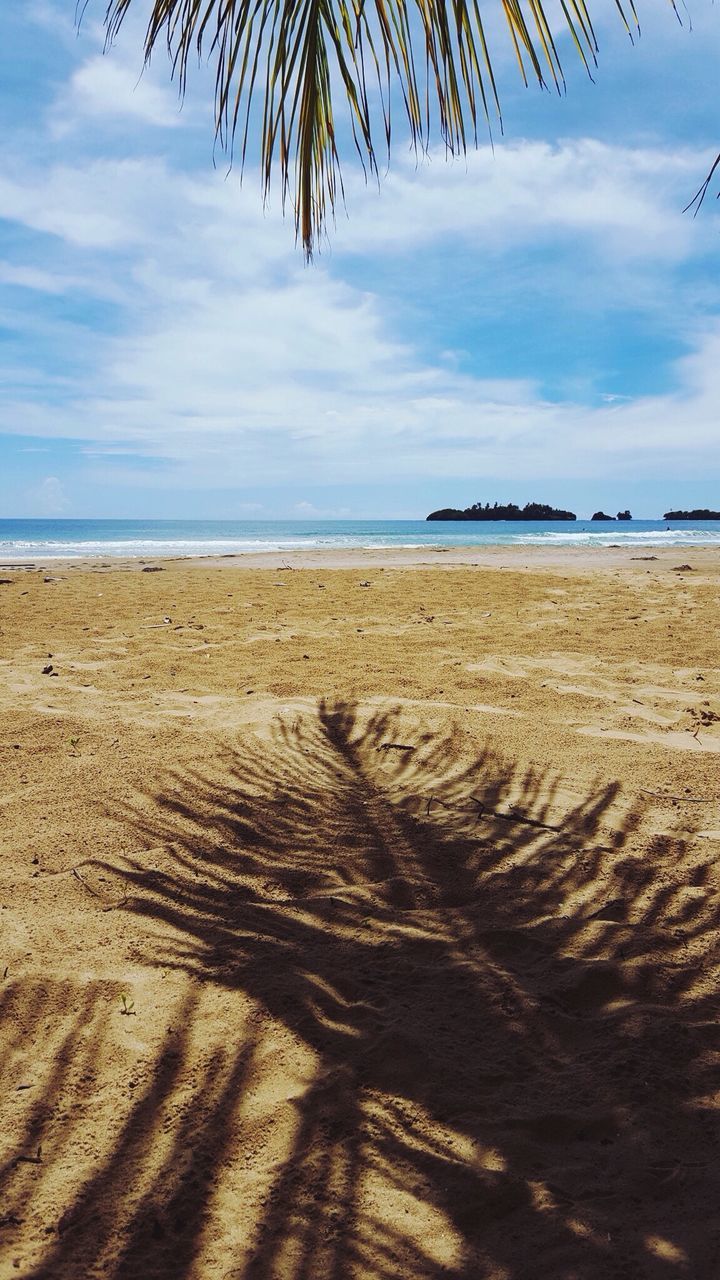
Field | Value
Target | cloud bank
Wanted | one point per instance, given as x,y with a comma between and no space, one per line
165,323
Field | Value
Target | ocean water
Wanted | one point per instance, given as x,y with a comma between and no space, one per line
30,540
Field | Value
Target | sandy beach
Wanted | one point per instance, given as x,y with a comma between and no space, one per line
359,916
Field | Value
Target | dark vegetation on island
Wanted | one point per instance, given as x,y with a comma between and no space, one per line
542,511
701,513
531,511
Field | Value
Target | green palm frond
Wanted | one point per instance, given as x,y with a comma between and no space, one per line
278,62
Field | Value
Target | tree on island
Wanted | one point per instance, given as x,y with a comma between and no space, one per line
509,511
700,513
276,63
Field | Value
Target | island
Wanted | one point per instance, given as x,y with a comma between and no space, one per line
624,515
600,515
531,511
702,513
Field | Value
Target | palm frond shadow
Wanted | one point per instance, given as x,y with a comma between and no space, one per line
510,1017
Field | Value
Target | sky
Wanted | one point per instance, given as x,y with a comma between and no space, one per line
536,321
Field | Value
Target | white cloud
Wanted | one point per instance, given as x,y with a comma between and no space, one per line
105,88
625,201
49,498
57,19
97,206
236,365
250,420
107,84
38,280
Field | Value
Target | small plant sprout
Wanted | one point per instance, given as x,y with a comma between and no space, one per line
74,743
127,1006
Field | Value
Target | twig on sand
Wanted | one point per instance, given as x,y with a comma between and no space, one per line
482,812
663,795
396,746
36,1159
111,906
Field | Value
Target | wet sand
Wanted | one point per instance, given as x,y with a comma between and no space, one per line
359,916
580,559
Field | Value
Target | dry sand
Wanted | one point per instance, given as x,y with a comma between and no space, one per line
361,922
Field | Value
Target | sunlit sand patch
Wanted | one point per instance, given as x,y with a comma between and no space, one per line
671,741
666,1251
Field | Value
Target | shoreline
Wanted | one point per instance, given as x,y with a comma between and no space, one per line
523,559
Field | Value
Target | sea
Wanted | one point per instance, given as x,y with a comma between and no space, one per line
30,540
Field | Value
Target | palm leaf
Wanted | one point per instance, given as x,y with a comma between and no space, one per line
277,63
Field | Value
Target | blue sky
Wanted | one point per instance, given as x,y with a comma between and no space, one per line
538,322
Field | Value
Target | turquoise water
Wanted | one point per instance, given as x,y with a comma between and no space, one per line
27,540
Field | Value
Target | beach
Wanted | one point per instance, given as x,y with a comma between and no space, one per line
359,915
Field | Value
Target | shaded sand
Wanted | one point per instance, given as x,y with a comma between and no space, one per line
360,923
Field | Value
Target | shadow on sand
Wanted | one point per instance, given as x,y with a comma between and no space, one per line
509,1021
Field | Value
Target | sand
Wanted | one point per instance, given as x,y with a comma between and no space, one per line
361,921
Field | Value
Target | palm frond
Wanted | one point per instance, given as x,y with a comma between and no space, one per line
278,62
